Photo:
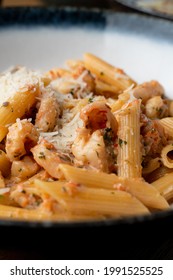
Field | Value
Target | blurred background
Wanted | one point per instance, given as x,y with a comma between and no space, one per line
161,8
108,4
100,3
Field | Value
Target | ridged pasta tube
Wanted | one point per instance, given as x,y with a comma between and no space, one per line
129,152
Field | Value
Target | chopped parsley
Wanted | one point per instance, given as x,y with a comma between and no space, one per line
97,154
48,148
72,91
108,135
121,142
159,110
64,189
42,155
90,100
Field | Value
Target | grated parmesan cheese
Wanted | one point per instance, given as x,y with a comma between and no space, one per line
4,190
19,124
129,90
71,84
65,136
18,79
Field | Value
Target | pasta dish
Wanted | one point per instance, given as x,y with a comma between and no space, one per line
85,142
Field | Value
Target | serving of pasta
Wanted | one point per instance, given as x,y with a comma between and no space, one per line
85,142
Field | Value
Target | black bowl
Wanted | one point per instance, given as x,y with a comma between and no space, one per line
145,237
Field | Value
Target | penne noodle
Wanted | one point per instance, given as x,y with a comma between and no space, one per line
129,151
170,108
152,165
16,107
89,178
158,173
143,191
166,156
105,89
2,182
91,200
165,185
3,132
57,73
73,64
167,124
16,213
107,73
5,164
118,104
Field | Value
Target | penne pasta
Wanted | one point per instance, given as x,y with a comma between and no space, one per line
152,165
16,107
166,156
57,73
91,200
148,195
158,173
170,108
5,164
118,104
105,89
129,152
165,185
107,73
16,213
2,182
167,124
75,64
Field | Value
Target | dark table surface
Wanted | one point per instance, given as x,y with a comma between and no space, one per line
87,3
138,242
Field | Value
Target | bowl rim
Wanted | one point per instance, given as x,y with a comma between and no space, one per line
131,4
123,221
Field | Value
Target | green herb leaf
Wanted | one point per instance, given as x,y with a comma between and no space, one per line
90,100
121,142
42,155
108,135
72,91
97,154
